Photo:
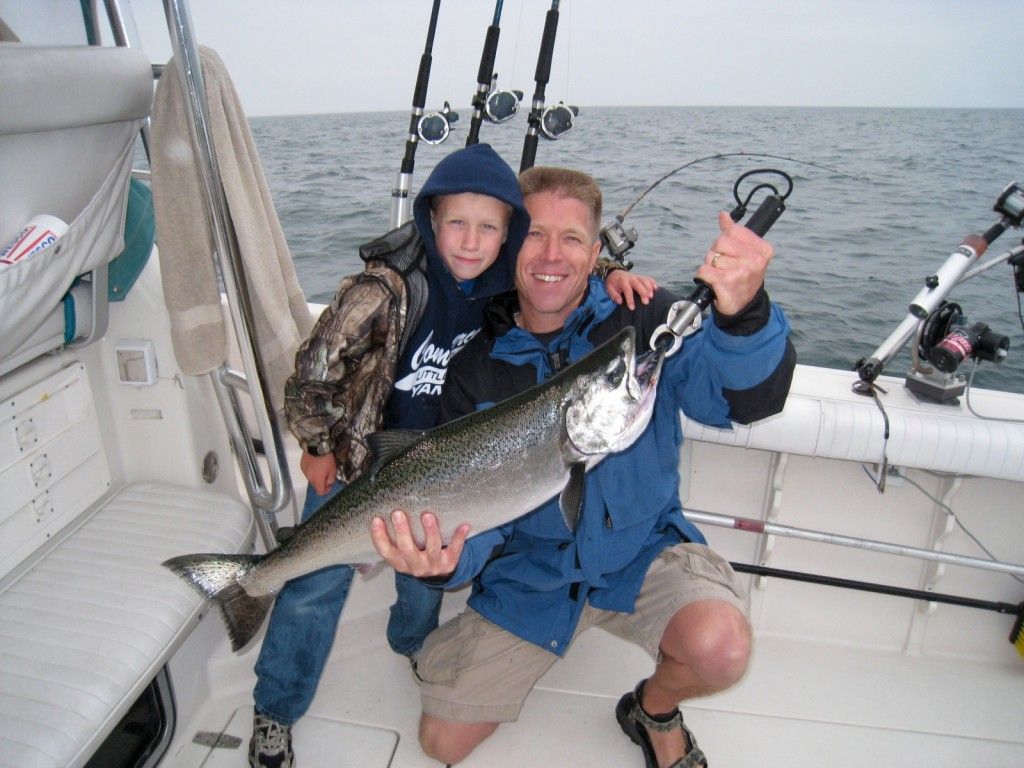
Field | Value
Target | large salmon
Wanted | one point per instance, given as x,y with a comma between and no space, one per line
486,469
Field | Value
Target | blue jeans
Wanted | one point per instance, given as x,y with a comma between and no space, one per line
305,619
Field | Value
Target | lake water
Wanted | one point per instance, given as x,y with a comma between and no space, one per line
853,247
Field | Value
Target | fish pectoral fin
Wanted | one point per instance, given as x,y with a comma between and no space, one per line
571,499
388,444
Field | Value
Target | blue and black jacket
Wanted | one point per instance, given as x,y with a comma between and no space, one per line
533,576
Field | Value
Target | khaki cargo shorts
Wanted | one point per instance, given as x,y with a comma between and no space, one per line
473,671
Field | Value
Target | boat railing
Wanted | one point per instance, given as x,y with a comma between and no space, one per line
267,497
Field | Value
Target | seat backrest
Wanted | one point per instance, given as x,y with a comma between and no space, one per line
69,117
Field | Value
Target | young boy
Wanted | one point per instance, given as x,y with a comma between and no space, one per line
377,358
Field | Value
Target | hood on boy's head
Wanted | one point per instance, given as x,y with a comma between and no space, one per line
477,168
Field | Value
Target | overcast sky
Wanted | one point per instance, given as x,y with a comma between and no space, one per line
312,56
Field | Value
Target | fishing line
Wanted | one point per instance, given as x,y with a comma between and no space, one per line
627,209
945,508
568,52
949,511
884,467
515,47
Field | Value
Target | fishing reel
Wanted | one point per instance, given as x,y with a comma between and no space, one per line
501,105
558,120
435,127
929,317
946,339
618,239
1010,205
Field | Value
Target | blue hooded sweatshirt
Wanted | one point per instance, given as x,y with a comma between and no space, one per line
454,311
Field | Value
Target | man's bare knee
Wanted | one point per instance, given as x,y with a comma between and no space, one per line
450,742
713,639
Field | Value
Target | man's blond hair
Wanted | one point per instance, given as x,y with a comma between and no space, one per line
565,182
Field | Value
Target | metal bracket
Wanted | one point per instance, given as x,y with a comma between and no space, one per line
216,740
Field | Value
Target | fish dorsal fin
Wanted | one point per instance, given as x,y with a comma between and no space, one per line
571,498
388,444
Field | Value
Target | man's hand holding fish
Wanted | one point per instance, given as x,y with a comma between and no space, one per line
424,557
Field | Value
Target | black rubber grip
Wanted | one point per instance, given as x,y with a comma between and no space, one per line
766,214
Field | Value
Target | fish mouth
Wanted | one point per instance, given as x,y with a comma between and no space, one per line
647,372
647,369
644,373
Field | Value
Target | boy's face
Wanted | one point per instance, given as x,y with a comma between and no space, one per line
469,230
556,259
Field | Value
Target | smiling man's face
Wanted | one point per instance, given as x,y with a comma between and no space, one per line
555,261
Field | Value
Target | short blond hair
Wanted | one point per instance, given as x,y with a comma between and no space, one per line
565,182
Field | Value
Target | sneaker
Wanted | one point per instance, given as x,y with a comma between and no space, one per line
271,744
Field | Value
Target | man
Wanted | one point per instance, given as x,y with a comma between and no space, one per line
634,565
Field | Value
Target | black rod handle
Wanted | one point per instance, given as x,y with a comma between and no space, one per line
483,83
882,589
764,217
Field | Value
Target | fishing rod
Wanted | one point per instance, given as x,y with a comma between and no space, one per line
930,302
555,121
618,239
774,529
432,127
1015,610
490,103
684,316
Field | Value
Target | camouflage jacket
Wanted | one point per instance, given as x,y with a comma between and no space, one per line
345,370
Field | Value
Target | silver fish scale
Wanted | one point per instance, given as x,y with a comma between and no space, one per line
486,469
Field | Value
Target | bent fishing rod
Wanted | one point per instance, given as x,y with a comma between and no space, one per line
684,316
555,121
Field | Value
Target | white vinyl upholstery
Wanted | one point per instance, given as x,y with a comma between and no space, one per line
69,117
87,627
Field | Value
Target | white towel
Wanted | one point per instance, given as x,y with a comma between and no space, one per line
191,290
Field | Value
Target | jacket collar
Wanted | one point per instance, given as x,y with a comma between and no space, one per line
520,347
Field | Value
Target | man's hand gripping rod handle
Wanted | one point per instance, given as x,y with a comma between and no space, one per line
684,314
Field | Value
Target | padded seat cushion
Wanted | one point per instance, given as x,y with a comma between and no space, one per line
87,627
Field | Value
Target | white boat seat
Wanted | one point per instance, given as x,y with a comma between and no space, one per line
69,118
86,628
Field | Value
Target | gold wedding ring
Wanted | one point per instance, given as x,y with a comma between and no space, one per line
714,259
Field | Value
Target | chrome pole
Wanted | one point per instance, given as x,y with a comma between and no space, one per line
774,529
267,502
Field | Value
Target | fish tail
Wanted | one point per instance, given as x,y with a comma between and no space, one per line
217,577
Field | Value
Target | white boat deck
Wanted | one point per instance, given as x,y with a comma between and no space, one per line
838,678
802,703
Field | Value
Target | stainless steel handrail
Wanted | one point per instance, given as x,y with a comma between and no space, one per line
775,529
267,502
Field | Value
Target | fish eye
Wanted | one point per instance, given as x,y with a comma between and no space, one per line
615,373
